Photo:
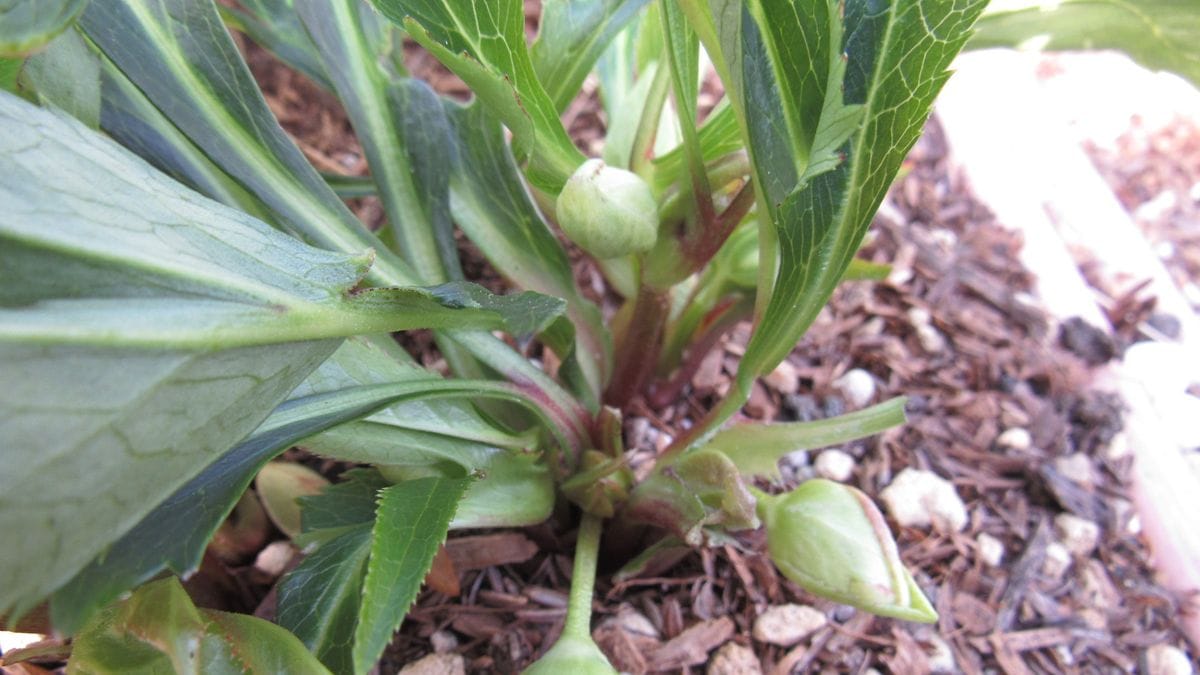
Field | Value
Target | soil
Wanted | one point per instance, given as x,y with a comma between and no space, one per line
954,329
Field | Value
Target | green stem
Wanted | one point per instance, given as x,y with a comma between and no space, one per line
583,579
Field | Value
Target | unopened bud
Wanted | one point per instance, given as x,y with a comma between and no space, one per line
608,212
831,539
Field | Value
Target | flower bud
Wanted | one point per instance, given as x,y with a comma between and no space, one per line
608,212
831,539
573,655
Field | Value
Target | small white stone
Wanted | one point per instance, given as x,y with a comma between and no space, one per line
857,386
1057,561
1167,660
991,549
273,560
1016,438
436,664
1076,467
1118,447
734,659
922,498
941,656
834,465
785,625
1078,535
443,641
784,378
931,339
918,316
633,622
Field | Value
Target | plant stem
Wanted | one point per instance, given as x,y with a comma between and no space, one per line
583,578
637,352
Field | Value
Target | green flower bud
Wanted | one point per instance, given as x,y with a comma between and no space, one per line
831,539
608,212
573,655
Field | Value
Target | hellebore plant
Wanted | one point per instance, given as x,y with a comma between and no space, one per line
183,297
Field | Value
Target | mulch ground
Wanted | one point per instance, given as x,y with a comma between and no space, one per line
954,329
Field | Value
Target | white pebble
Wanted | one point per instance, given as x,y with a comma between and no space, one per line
784,378
734,659
1057,561
1078,535
857,386
1167,660
1077,467
273,560
443,641
922,498
931,339
1016,438
1118,447
835,465
991,549
785,625
941,656
436,664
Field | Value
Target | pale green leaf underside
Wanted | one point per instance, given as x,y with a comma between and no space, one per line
26,25
1159,34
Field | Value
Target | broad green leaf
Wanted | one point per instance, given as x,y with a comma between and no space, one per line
491,205
180,55
129,117
434,434
96,392
159,630
350,187
275,26
897,57
1159,34
756,448
410,524
26,25
571,36
484,44
319,600
67,74
403,131
174,534
379,360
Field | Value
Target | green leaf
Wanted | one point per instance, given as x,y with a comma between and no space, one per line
319,600
719,135
409,526
129,117
159,630
96,392
1159,34
571,36
484,44
180,55
174,534
26,25
756,448
275,26
10,70
67,74
404,135
896,62
491,205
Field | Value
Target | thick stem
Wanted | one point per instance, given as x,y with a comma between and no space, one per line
637,353
583,579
